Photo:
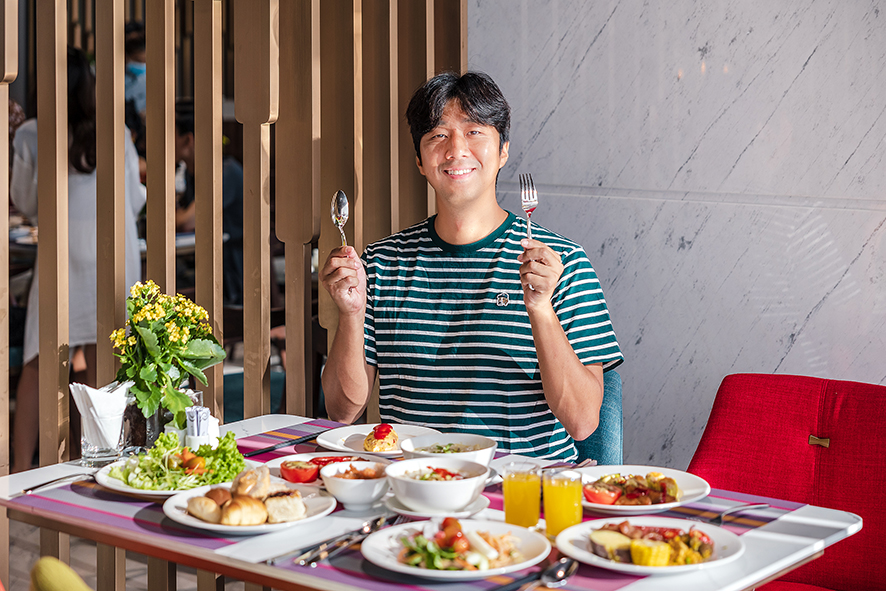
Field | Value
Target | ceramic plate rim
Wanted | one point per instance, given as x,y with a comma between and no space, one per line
719,535
397,506
177,514
102,478
698,490
375,550
333,439
275,463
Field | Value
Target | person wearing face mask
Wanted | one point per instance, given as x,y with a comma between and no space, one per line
134,83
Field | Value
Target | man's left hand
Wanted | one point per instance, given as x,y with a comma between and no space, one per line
539,272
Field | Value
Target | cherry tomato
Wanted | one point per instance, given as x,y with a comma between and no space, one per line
382,430
449,521
460,543
299,471
602,494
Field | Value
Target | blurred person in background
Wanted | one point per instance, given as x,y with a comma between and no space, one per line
81,242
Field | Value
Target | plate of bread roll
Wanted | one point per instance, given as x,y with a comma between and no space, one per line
254,503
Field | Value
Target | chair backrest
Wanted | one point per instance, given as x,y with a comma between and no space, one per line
606,444
757,441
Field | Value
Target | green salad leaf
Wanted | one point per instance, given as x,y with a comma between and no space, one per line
160,468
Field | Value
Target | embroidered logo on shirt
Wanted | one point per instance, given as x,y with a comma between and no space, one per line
502,299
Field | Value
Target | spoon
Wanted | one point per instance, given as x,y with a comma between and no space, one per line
556,574
340,213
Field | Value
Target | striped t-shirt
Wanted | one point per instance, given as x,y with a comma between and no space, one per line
447,328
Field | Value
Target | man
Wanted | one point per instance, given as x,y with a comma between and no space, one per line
470,325
232,201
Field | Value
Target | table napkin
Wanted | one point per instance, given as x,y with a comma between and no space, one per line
101,411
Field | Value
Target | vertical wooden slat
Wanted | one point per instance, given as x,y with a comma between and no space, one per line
160,118
110,227
256,99
208,181
88,30
161,575
450,36
9,64
298,188
52,202
412,71
337,131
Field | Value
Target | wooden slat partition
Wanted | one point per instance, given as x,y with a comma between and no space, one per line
208,182
160,117
9,65
110,227
298,188
256,101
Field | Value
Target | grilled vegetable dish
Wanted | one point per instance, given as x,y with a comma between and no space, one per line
632,489
650,546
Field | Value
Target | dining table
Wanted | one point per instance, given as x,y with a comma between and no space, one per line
776,539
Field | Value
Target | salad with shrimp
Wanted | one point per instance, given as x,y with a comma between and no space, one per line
451,548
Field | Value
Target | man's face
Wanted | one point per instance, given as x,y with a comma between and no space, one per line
461,158
184,147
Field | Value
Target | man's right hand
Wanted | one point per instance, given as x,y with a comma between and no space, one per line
344,277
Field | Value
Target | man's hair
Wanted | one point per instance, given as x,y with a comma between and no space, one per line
134,43
184,116
477,95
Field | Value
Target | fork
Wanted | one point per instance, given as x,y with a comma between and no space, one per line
529,200
351,541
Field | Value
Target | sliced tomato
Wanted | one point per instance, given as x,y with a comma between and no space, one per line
602,494
332,459
444,473
296,471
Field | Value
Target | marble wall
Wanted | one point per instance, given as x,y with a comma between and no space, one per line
724,165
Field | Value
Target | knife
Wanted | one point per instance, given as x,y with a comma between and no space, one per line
302,553
286,443
355,537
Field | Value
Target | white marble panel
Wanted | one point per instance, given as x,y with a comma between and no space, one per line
723,165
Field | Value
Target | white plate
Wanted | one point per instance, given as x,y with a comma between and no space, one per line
317,502
382,547
350,438
274,464
693,487
104,479
394,504
574,542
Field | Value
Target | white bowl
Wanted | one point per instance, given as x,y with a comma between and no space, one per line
482,455
437,496
354,494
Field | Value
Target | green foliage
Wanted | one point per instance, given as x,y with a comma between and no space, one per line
168,337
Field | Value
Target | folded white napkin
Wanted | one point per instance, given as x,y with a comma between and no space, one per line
102,412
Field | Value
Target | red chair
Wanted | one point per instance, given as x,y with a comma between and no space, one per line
809,440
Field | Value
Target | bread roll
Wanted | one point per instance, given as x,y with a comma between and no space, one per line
253,483
285,506
205,509
219,495
244,510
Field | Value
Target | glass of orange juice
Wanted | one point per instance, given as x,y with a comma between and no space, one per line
521,483
562,494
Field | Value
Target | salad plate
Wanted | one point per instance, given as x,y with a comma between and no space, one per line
382,548
574,542
693,487
274,465
317,502
396,506
350,438
104,478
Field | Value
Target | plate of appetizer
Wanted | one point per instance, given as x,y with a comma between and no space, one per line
167,468
254,503
650,545
382,439
454,550
639,490
305,468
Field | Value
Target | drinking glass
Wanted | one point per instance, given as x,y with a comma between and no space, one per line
521,483
562,494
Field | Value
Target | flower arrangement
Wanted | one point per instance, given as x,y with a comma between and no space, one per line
169,338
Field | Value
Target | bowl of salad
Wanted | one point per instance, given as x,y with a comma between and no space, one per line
463,446
437,485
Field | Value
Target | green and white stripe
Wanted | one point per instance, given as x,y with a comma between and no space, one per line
451,357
